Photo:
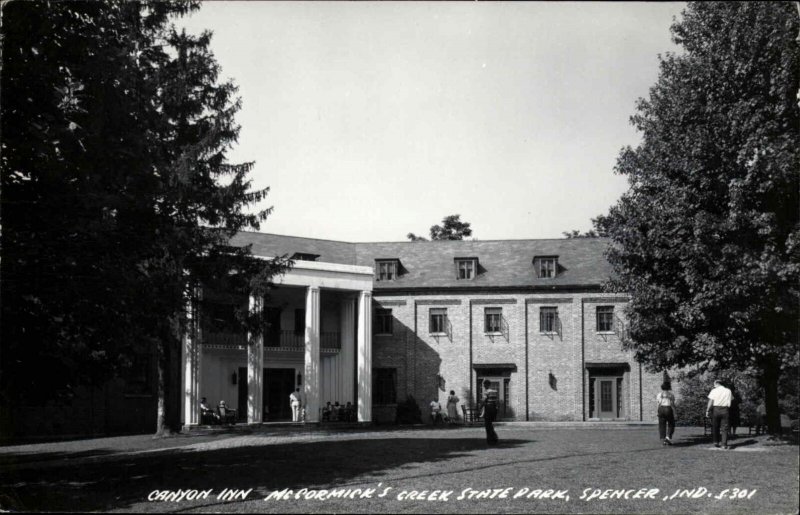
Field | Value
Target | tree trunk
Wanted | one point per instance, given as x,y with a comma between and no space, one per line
162,425
770,380
168,421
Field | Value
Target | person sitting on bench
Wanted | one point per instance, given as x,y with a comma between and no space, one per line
207,415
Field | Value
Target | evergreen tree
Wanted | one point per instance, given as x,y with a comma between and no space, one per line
707,238
117,196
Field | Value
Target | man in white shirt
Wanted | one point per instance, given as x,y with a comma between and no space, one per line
295,401
719,400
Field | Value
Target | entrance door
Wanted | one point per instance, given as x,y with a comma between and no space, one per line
241,411
606,397
500,385
278,385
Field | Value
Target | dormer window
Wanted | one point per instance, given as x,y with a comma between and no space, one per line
386,269
303,256
546,266
466,268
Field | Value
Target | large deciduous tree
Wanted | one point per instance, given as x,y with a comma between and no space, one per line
706,240
452,228
118,198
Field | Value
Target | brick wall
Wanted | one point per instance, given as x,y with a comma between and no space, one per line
552,381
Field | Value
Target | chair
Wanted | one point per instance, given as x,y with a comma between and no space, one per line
471,415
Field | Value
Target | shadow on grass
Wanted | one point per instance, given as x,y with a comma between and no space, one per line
119,482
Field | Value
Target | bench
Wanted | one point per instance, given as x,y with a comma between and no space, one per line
753,427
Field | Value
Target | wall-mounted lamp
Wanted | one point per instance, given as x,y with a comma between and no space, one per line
440,382
234,378
299,379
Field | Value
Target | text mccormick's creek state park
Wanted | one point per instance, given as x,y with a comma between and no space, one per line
467,494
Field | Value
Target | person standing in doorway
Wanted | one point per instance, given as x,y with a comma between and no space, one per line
489,411
295,402
719,400
666,413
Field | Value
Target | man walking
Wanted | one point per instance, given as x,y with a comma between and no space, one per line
719,400
294,400
489,411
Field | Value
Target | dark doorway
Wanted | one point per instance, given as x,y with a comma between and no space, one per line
272,336
241,411
278,385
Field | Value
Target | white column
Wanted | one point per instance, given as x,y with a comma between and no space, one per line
365,356
311,381
347,353
255,372
192,361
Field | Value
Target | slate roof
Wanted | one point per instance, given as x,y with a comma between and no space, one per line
273,245
503,264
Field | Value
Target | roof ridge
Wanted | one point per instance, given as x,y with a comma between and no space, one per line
499,240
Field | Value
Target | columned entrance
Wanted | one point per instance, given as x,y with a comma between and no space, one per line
319,339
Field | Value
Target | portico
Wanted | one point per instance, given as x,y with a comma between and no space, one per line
319,340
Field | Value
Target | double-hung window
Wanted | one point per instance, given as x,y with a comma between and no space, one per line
438,321
466,268
383,321
547,267
548,320
605,319
387,269
493,320
384,385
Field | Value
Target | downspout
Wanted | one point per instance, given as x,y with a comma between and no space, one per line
527,366
470,355
641,418
414,361
583,360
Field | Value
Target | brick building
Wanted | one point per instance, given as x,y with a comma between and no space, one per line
423,318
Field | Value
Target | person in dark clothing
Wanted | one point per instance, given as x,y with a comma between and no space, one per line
735,416
489,411
666,413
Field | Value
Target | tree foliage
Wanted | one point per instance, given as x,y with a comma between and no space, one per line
706,240
452,228
118,198
575,233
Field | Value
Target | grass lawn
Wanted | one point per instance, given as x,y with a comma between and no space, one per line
582,462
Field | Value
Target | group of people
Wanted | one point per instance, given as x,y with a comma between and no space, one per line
451,415
223,414
722,409
488,411
330,412
336,412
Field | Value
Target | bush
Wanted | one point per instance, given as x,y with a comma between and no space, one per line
694,389
408,412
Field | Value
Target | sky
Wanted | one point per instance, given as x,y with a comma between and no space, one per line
369,120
